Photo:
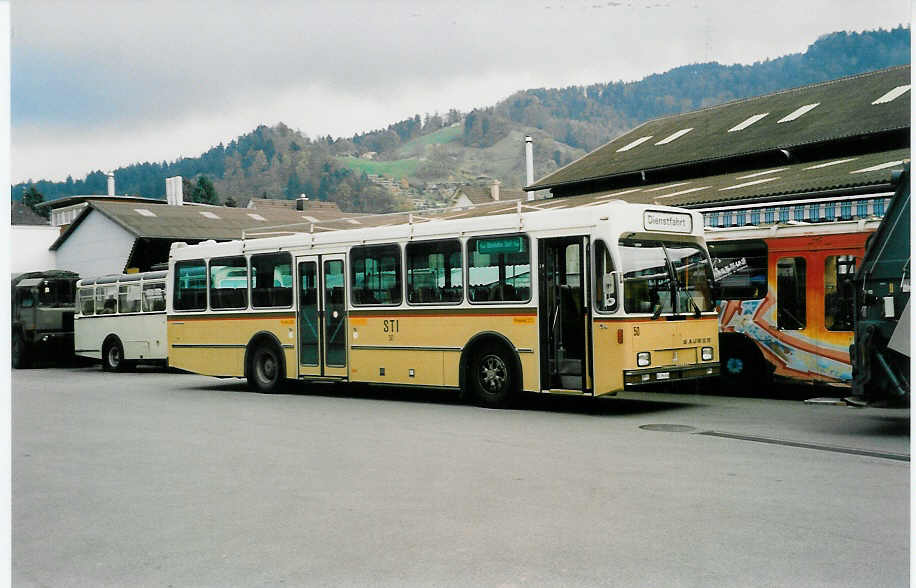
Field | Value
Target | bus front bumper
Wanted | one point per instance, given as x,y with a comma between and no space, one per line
633,378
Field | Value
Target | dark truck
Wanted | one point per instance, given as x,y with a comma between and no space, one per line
43,304
880,352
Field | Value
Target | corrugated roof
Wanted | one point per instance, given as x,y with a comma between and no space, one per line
844,109
188,222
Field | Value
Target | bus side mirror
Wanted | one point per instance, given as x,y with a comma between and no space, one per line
715,291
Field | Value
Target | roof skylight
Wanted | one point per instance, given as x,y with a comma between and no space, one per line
892,95
208,214
829,163
144,212
674,136
751,183
743,125
616,194
310,219
798,112
632,144
353,221
665,187
763,173
256,216
679,192
877,167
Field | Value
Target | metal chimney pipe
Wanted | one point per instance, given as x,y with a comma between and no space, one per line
529,164
111,187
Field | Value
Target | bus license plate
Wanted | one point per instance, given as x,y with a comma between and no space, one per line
662,376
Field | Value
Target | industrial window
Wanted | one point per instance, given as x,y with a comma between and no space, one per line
830,211
190,292
727,219
799,213
790,294
271,280
862,208
605,279
878,207
740,268
846,210
375,274
228,282
741,218
499,269
713,219
153,297
784,214
129,297
434,272
814,212
755,217
106,299
839,281
87,301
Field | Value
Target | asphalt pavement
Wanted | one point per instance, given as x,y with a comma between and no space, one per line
162,479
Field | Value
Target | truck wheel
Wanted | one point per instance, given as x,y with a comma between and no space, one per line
19,352
491,377
113,356
265,369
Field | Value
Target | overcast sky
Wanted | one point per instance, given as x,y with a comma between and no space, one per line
99,85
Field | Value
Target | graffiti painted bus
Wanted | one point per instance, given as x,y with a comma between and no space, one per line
787,300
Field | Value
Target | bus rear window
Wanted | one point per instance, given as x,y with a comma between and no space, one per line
740,269
190,285
271,280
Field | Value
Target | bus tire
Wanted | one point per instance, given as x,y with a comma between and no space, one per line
742,370
492,379
265,368
19,351
113,356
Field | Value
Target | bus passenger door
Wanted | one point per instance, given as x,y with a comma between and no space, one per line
564,340
322,316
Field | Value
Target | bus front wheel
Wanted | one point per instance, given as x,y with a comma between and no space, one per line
265,369
491,378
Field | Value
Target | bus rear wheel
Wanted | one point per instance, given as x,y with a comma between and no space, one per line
113,356
265,369
491,377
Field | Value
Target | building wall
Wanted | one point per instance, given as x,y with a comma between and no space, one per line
29,248
96,247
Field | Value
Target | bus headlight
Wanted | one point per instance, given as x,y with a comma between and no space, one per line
643,358
706,353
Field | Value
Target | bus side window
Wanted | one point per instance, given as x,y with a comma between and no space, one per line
605,279
375,274
87,301
740,268
154,297
431,275
229,282
839,278
790,294
271,280
499,269
129,297
190,288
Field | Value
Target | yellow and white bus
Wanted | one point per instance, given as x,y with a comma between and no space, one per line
585,301
120,319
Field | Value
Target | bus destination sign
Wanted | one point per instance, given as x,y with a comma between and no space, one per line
500,245
672,222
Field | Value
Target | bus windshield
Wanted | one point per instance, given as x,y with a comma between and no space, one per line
673,276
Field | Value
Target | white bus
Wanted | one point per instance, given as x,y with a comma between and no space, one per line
491,301
120,319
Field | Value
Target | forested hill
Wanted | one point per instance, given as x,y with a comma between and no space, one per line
425,156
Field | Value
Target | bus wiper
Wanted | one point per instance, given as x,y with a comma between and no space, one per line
658,311
696,307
